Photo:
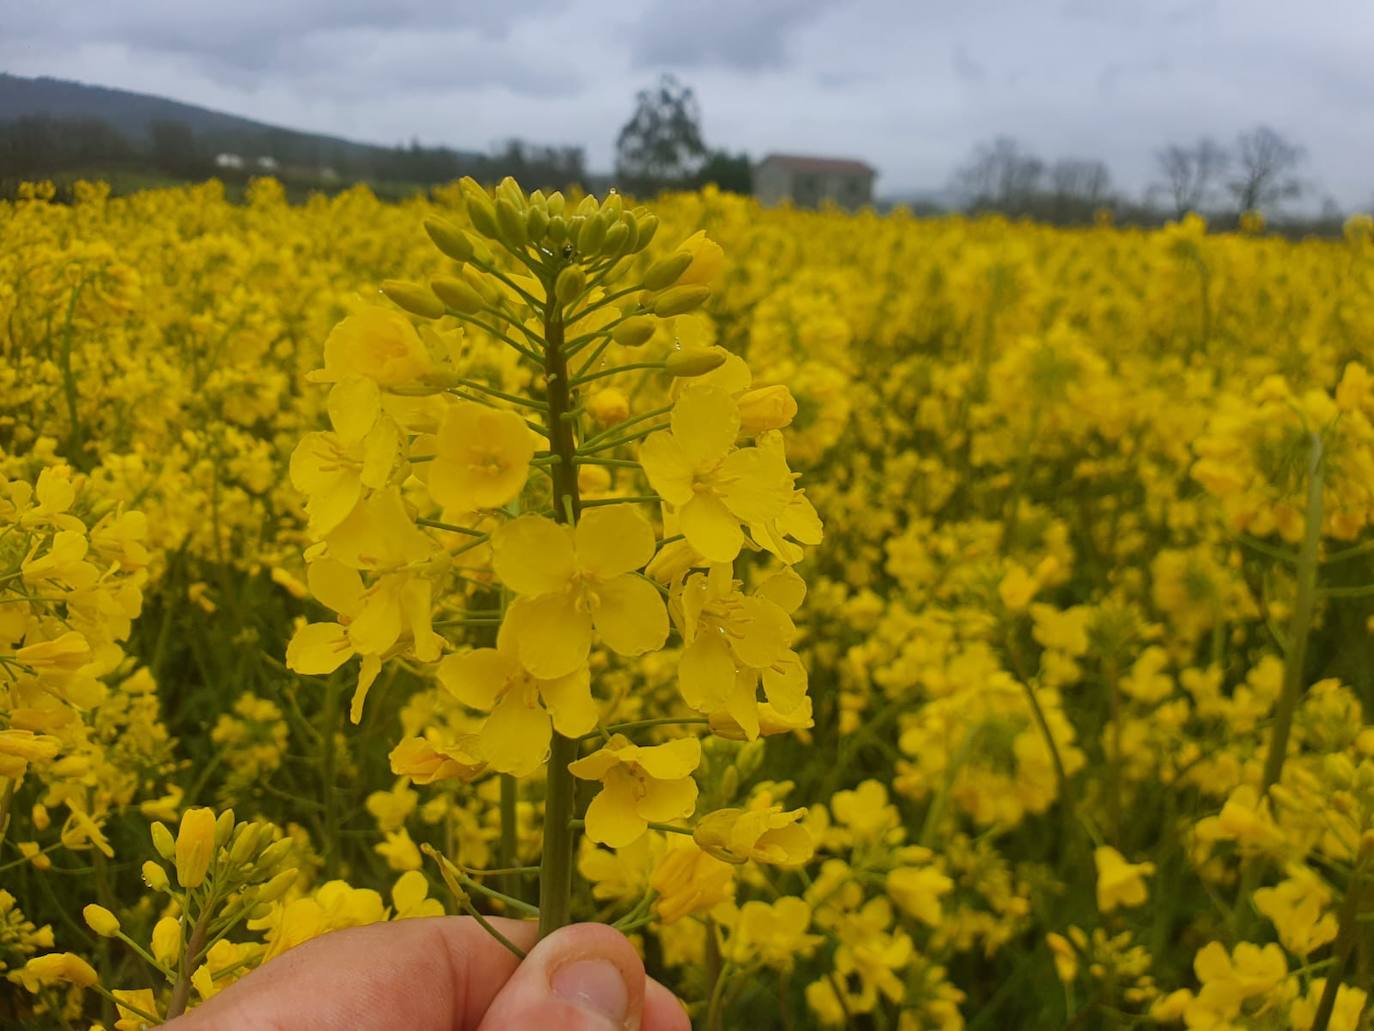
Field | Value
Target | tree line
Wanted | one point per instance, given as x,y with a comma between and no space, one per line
39,146
1256,173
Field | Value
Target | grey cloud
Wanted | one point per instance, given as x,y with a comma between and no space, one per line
746,35
968,70
239,43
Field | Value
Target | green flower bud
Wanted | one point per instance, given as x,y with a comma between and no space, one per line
413,298
163,841
667,271
537,199
648,226
508,189
613,205
631,223
750,758
634,331
593,235
695,361
681,299
274,853
729,784
488,291
277,886
456,294
588,207
224,827
575,225
536,223
556,203
482,214
451,240
558,229
616,237
571,282
511,223
245,843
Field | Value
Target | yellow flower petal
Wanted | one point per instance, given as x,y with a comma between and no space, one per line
705,423
335,586
570,703
515,737
318,648
477,678
367,673
614,540
630,616
611,817
665,800
551,636
533,555
711,528
354,404
705,671
671,761
667,467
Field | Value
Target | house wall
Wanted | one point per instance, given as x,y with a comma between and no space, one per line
775,183
772,184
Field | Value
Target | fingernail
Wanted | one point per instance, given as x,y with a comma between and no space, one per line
595,985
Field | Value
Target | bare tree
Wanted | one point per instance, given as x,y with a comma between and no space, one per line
1191,173
1081,182
1001,175
1265,162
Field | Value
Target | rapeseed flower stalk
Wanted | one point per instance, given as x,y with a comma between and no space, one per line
566,291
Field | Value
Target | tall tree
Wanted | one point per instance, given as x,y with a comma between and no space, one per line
1191,173
661,144
1265,163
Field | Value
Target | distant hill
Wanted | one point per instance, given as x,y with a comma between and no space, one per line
52,127
134,115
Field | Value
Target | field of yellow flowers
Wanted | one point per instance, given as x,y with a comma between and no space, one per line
888,623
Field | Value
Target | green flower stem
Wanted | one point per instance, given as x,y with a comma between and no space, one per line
632,499
450,527
1301,624
556,864
597,352
514,399
616,370
518,905
608,299
1347,934
615,430
142,1014
147,956
520,349
509,832
671,828
490,928
190,957
666,721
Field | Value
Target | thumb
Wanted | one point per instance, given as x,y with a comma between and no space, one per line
586,977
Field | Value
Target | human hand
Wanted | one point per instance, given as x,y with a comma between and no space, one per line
447,973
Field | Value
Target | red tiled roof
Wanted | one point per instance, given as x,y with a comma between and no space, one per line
801,163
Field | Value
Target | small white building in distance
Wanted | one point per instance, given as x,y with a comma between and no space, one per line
808,181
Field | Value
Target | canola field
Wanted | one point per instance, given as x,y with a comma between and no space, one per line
886,622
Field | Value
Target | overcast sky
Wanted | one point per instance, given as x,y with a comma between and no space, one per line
908,85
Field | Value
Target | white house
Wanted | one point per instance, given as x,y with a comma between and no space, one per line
808,181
